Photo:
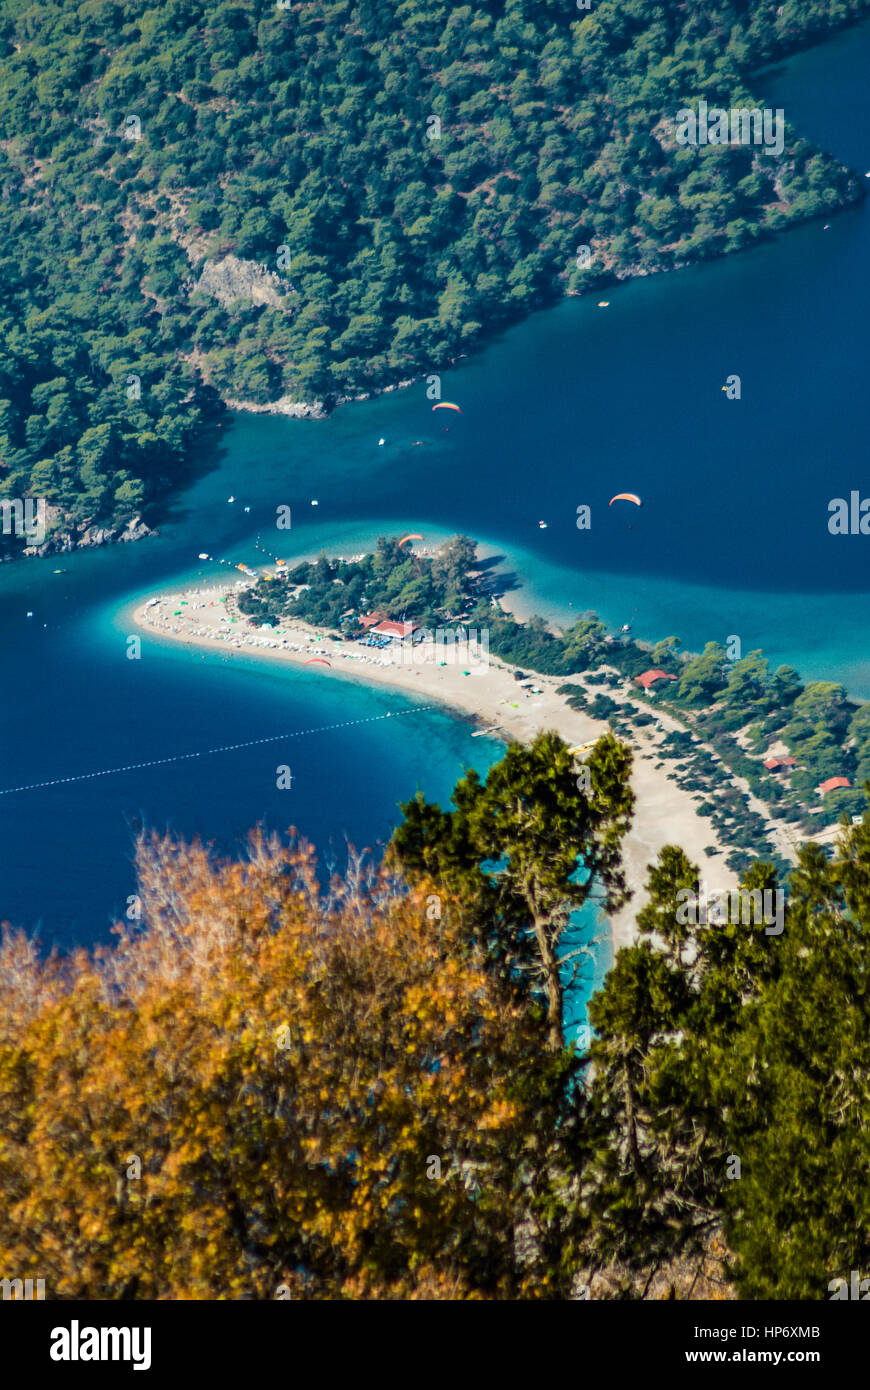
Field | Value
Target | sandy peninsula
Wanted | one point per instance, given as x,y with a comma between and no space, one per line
476,685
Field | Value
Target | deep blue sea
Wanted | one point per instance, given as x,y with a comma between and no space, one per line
574,405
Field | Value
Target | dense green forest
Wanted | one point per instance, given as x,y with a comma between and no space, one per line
407,178
727,1094
372,1090
335,593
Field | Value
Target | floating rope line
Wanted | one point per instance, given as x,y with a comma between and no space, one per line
208,752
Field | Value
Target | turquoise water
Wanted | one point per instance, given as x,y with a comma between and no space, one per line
571,407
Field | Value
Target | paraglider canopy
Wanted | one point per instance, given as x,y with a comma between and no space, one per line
412,536
626,497
447,405
317,660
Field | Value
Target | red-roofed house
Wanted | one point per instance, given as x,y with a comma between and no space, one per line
650,677
371,618
774,764
400,630
832,782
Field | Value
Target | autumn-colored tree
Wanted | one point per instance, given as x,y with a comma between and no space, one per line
263,1090
271,1088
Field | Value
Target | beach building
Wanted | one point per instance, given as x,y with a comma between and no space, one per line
649,678
400,631
778,764
369,619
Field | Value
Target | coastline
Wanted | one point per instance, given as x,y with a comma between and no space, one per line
488,695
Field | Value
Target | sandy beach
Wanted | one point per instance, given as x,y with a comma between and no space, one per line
475,684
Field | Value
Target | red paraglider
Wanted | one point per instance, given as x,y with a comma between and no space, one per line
412,536
317,660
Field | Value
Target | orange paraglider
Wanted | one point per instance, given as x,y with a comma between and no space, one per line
412,536
315,660
447,405
626,497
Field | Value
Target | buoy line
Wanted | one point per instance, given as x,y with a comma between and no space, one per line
209,752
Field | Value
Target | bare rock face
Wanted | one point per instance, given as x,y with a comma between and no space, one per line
285,405
231,279
95,535
135,530
65,537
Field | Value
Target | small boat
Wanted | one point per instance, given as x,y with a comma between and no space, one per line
543,525
315,503
202,555
247,509
382,441
231,499
604,303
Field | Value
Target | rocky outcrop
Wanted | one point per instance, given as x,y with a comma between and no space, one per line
310,410
299,410
231,279
64,537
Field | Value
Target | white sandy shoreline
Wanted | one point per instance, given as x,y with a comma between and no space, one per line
664,812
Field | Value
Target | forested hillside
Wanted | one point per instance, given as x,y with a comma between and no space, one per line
406,178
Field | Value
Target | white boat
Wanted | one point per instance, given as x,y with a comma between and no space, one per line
543,525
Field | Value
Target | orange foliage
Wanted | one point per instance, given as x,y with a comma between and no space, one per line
285,1068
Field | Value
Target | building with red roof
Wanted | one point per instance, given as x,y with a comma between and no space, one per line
832,782
774,764
650,677
391,629
371,618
